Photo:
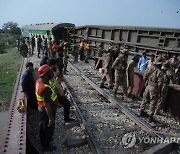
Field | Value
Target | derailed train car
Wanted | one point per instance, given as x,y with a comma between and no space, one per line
138,39
48,30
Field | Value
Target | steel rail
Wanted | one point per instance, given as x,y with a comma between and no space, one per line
145,126
91,140
13,139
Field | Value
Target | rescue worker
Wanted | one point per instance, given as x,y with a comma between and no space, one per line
108,70
87,51
63,100
130,74
169,77
28,86
81,50
47,105
153,78
120,65
55,84
24,49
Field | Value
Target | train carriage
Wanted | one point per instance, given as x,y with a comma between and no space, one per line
49,30
136,38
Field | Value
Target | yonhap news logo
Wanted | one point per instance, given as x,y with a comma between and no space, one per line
130,139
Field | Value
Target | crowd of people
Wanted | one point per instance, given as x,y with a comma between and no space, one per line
158,71
46,93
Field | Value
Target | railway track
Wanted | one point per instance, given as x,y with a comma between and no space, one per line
108,123
101,115
165,121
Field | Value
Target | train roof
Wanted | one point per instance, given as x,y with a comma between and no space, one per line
129,27
47,26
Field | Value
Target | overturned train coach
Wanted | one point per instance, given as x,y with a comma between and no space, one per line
138,39
48,30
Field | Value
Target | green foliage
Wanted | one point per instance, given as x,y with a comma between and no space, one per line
11,27
9,64
7,41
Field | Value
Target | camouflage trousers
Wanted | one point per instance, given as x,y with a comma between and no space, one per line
129,90
150,95
120,81
162,98
107,76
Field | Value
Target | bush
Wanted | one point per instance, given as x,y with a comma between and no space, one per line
8,43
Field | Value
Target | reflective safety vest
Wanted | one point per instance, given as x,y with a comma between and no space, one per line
81,45
39,89
87,47
52,84
66,54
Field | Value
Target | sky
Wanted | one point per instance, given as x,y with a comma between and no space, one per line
146,13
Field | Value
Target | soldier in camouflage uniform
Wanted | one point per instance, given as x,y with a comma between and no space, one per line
120,65
100,50
169,77
130,74
154,81
108,69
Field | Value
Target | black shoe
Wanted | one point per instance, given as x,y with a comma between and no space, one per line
69,120
151,119
49,148
101,85
143,114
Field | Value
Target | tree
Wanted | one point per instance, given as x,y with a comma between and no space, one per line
11,27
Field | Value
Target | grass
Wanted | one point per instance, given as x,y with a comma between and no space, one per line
9,65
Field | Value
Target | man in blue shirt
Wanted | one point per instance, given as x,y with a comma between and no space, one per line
142,64
28,86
